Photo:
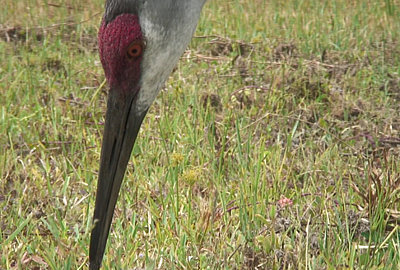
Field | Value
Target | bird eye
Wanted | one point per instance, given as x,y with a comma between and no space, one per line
135,49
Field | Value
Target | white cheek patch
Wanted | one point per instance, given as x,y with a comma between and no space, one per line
164,47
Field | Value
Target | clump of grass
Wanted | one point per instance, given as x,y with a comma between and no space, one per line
378,188
381,191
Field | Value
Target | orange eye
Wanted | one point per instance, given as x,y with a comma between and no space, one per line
135,49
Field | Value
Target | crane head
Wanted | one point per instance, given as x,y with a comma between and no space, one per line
140,42
121,47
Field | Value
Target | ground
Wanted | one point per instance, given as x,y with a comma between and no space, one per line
274,144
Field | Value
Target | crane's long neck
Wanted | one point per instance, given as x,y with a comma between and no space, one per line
169,26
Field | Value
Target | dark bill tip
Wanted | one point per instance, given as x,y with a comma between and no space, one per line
120,131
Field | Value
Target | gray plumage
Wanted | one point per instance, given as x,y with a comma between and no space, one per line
168,26
113,8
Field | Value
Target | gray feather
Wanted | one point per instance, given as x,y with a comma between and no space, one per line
168,26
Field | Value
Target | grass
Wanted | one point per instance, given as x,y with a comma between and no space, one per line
275,144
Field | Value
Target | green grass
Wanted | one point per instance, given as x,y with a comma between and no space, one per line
272,100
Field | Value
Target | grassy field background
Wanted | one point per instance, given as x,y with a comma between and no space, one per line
275,144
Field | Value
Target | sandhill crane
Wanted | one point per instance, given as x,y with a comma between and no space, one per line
140,42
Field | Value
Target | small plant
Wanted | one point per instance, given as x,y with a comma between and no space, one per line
379,204
382,191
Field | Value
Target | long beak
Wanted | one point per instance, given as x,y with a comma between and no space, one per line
120,132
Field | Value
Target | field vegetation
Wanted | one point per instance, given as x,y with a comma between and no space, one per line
274,145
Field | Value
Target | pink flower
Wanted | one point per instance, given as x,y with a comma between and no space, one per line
283,202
